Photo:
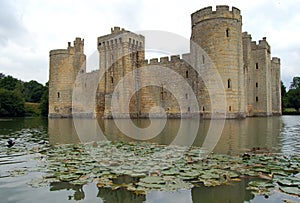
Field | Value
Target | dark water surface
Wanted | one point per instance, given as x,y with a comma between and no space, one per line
275,134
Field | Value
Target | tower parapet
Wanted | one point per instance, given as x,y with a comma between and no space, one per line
221,12
276,60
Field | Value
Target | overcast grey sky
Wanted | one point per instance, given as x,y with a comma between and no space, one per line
30,28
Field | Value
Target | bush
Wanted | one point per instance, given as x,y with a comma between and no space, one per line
11,103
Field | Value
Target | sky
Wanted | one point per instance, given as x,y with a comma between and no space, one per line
29,29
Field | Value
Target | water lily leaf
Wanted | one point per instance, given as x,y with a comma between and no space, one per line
261,184
289,181
153,179
177,184
259,169
138,175
79,182
211,183
290,190
151,185
69,177
208,176
260,187
38,182
170,172
232,174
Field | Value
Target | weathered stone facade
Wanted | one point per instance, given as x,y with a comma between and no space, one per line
131,86
65,64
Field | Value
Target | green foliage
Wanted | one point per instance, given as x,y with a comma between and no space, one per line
291,99
11,103
14,93
33,91
294,98
10,83
45,101
32,109
296,83
284,100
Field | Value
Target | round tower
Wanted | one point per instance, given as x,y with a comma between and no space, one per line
219,34
65,64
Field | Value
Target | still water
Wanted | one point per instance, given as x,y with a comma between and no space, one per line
274,134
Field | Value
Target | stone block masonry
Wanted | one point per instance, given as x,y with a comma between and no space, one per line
249,75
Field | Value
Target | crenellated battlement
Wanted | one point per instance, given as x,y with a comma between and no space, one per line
165,60
120,36
78,47
222,11
116,29
59,52
275,60
262,44
246,35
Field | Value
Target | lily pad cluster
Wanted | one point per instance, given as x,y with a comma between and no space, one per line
141,167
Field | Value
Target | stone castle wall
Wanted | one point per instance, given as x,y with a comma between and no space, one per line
219,33
276,86
249,78
65,64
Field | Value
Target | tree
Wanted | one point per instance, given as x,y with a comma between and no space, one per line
284,100
33,91
45,101
296,83
294,98
293,95
11,103
10,83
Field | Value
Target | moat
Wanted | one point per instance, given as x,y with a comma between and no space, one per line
21,164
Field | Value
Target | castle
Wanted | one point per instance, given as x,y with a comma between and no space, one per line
249,77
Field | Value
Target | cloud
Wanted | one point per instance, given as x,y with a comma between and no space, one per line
29,28
11,25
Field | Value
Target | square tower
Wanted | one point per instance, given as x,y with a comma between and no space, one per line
120,53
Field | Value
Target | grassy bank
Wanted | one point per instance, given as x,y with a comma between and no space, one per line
32,109
290,111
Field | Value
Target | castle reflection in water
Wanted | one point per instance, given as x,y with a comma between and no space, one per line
237,135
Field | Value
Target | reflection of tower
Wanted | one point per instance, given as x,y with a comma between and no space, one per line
120,53
65,65
219,33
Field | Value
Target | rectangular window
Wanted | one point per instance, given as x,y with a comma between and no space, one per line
256,65
256,99
256,84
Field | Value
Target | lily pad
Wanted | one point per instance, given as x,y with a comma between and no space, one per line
290,190
69,177
153,180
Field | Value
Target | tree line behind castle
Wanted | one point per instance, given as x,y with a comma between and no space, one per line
18,98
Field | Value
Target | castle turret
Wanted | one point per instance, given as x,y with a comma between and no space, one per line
65,65
259,77
219,34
